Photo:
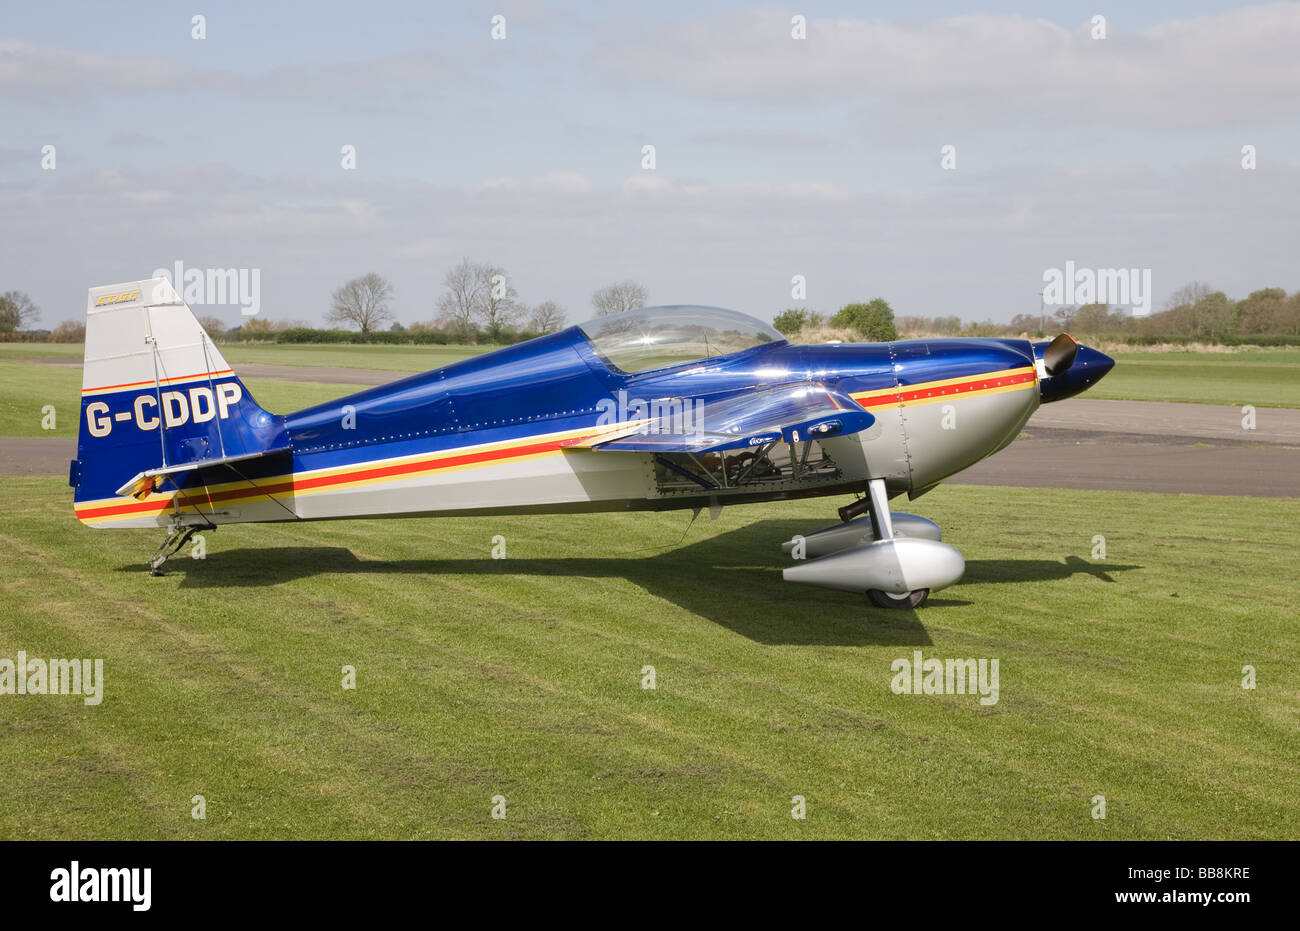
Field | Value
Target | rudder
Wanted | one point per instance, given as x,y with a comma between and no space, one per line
157,397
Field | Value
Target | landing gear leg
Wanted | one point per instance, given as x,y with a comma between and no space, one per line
177,537
882,524
882,528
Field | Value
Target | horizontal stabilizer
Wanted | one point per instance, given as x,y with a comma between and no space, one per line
151,480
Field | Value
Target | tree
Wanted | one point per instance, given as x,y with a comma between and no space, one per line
947,326
793,320
69,331
1026,323
16,311
1063,318
1188,295
1097,320
362,301
258,328
619,296
498,305
1264,311
458,305
213,326
547,317
1290,321
983,328
873,321
1213,317
929,326
477,292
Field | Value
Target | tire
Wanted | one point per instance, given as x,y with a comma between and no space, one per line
913,599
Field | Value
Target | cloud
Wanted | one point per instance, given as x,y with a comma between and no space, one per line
652,185
43,73
15,157
984,69
839,178
976,247
648,183
134,139
429,247
555,182
777,139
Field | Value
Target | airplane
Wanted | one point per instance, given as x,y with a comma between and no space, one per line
659,408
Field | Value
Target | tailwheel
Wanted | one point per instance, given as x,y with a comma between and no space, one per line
177,537
912,599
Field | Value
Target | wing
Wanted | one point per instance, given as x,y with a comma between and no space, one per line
804,411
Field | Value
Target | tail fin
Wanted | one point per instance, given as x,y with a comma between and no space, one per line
158,401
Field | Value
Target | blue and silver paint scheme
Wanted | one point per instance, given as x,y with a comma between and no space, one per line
556,424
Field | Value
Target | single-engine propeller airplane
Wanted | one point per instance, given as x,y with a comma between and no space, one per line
652,409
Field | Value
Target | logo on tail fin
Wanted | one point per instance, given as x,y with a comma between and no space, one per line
122,298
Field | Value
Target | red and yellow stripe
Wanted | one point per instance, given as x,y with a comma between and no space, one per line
295,484
931,392
162,382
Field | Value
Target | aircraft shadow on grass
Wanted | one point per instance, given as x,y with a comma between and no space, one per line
732,579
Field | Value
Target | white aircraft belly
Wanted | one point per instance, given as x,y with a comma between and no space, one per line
567,478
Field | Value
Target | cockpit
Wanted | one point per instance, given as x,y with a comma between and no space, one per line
658,337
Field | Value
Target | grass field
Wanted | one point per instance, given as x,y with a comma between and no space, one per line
522,677
1268,378
394,358
27,388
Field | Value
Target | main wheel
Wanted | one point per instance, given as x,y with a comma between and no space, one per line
913,599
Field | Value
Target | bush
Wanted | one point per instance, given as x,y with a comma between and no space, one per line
25,336
69,331
418,334
409,337
792,320
302,334
874,321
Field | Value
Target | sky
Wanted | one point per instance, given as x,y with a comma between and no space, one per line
774,156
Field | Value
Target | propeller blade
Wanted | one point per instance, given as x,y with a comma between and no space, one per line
1059,354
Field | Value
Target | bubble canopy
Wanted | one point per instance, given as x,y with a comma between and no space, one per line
658,337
